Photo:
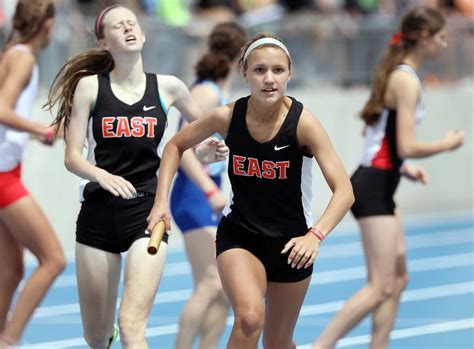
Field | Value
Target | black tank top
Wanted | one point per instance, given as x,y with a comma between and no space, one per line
271,181
126,139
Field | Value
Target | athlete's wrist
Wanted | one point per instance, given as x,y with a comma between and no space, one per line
316,232
211,192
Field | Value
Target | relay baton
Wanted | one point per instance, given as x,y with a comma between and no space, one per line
156,236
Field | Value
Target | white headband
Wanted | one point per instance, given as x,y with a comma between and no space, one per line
265,41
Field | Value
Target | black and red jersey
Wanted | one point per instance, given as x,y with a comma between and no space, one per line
126,139
271,181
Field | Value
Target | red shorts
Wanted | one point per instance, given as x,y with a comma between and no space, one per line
11,188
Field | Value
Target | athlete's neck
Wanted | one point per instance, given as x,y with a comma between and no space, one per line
128,70
265,114
34,45
413,59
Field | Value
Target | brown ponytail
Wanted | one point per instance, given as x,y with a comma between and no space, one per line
62,90
224,44
413,24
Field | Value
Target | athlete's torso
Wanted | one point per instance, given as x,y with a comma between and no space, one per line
126,139
380,143
13,142
271,181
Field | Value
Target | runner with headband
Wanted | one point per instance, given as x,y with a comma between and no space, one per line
109,103
267,241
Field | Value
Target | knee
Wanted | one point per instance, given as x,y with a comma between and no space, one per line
402,281
383,291
210,291
250,321
56,262
216,293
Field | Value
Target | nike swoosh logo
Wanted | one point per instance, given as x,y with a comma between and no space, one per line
145,108
277,148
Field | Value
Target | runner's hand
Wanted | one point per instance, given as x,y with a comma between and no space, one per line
212,150
117,185
304,250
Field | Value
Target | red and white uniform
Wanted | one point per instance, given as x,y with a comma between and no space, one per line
380,147
13,142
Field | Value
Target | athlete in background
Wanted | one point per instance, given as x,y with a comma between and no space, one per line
22,222
391,115
195,211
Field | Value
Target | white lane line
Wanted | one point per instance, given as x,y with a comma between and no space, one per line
441,327
456,237
319,278
316,309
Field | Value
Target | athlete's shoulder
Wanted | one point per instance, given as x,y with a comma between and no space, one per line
169,82
401,79
205,91
89,81
307,115
88,87
220,113
20,60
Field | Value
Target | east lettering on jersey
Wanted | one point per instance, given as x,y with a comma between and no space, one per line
266,169
271,181
126,139
124,126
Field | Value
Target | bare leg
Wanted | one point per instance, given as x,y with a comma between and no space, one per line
98,276
379,238
142,278
27,224
206,310
283,303
384,316
245,291
214,322
11,271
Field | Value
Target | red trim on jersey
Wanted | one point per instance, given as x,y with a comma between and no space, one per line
382,158
11,188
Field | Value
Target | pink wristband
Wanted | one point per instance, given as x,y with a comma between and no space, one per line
211,193
316,232
50,134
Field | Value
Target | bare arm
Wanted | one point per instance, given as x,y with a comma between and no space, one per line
215,120
181,98
18,67
313,137
186,104
205,99
84,97
405,90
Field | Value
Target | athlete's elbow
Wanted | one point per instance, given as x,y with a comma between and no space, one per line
346,195
69,161
3,112
406,151
349,197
